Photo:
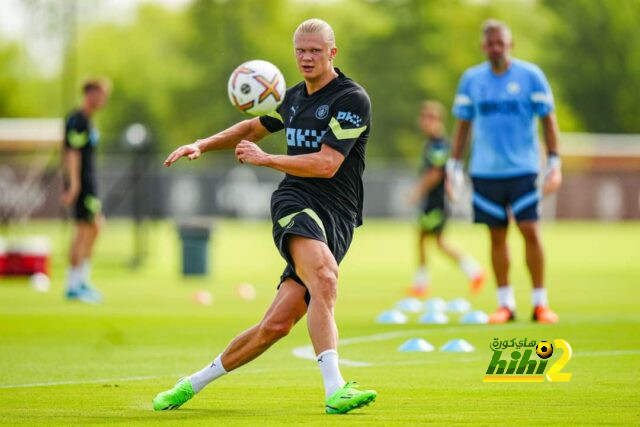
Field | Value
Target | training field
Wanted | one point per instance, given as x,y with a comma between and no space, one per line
69,363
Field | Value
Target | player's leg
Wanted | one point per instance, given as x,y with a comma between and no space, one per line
525,207
93,221
490,198
76,284
91,235
422,277
530,231
533,251
74,274
467,264
286,309
500,261
87,231
431,220
318,269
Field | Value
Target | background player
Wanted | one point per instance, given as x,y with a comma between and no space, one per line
81,139
501,98
433,210
314,212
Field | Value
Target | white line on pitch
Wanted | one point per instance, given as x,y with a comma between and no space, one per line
306,351
78,382
115,380
472,359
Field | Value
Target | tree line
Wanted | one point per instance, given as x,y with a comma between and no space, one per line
169,67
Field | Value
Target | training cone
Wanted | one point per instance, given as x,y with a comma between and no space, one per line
458,305
392,317
476,317
411,305
416,344
435,304
457,346
434,318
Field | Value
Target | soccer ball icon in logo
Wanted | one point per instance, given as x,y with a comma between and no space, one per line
256,87
544,349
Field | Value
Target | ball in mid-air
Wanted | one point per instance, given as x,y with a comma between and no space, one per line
256,87
544,349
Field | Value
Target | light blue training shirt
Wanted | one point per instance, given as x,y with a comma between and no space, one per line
503,109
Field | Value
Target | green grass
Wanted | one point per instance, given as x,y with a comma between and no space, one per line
151,329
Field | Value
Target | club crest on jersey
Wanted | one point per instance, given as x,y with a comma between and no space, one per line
322,112
349,117
513,88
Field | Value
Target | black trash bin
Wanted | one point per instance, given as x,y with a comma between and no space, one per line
194,236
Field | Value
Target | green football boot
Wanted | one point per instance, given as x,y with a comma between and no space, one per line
174,398
348,398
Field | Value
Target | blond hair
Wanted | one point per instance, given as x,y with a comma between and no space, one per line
315,26
436,107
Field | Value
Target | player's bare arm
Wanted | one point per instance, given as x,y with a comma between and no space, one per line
460,138
553,173
427,182
323,164
251,130
72,162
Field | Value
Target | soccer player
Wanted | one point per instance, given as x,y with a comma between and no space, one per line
498,102
433,210
326,119
80,141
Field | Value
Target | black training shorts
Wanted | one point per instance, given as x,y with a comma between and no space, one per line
294,212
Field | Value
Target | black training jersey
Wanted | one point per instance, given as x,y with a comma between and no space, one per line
338,115
82,136
435,155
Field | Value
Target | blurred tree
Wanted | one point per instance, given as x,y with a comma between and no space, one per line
594,52
10,58
22,88
148,66
169,67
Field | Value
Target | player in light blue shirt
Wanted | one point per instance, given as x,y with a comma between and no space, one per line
498,102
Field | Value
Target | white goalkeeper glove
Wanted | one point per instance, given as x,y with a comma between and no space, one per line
455,178
552,174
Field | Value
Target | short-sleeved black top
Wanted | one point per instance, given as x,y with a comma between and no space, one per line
338,115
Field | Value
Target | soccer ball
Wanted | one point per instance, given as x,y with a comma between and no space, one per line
256,87
544,349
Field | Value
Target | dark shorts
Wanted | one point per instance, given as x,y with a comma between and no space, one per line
433,216
493,199
87,207
303,217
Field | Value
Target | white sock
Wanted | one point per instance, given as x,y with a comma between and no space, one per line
74,278
506,298
214,370
85,270
331,376
422,278
539,297
469,266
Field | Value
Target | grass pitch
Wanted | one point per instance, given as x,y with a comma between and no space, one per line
69,363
